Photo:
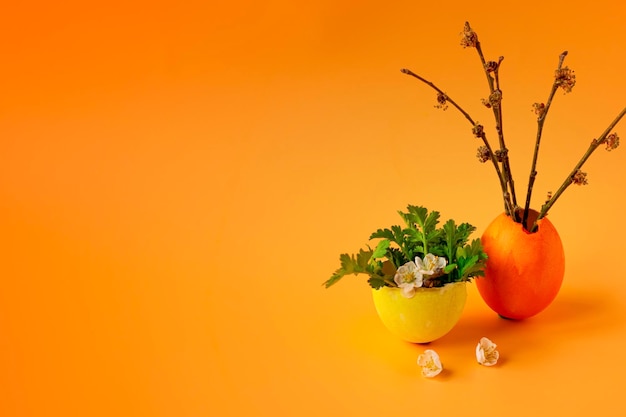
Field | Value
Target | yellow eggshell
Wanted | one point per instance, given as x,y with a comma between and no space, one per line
428,315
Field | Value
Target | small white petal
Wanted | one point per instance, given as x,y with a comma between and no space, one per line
408,290
418,263
419,279
398,279
480,354
430,363
486,353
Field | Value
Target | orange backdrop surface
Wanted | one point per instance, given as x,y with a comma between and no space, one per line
178,178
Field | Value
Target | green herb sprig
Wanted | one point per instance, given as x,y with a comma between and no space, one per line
420,236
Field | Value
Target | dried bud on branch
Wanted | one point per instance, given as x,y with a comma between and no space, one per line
495,98
442,101
483,154
539,109
580,178
611,142
470,38
565,79
485,103
491,66
500,154
478,130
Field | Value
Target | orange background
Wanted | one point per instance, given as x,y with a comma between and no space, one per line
177,179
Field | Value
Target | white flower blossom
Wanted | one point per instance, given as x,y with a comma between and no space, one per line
431,264
430,363
408,277
486,353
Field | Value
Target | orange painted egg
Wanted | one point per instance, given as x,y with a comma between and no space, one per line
524,271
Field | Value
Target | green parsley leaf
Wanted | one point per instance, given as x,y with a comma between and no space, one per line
381,249
376,282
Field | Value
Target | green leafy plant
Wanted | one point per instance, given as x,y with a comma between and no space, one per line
418,254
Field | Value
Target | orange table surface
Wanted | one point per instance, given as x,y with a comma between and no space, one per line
177,180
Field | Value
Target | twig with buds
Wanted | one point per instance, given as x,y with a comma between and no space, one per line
500,156
577,176
541,110
563,78
470,40
477,129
